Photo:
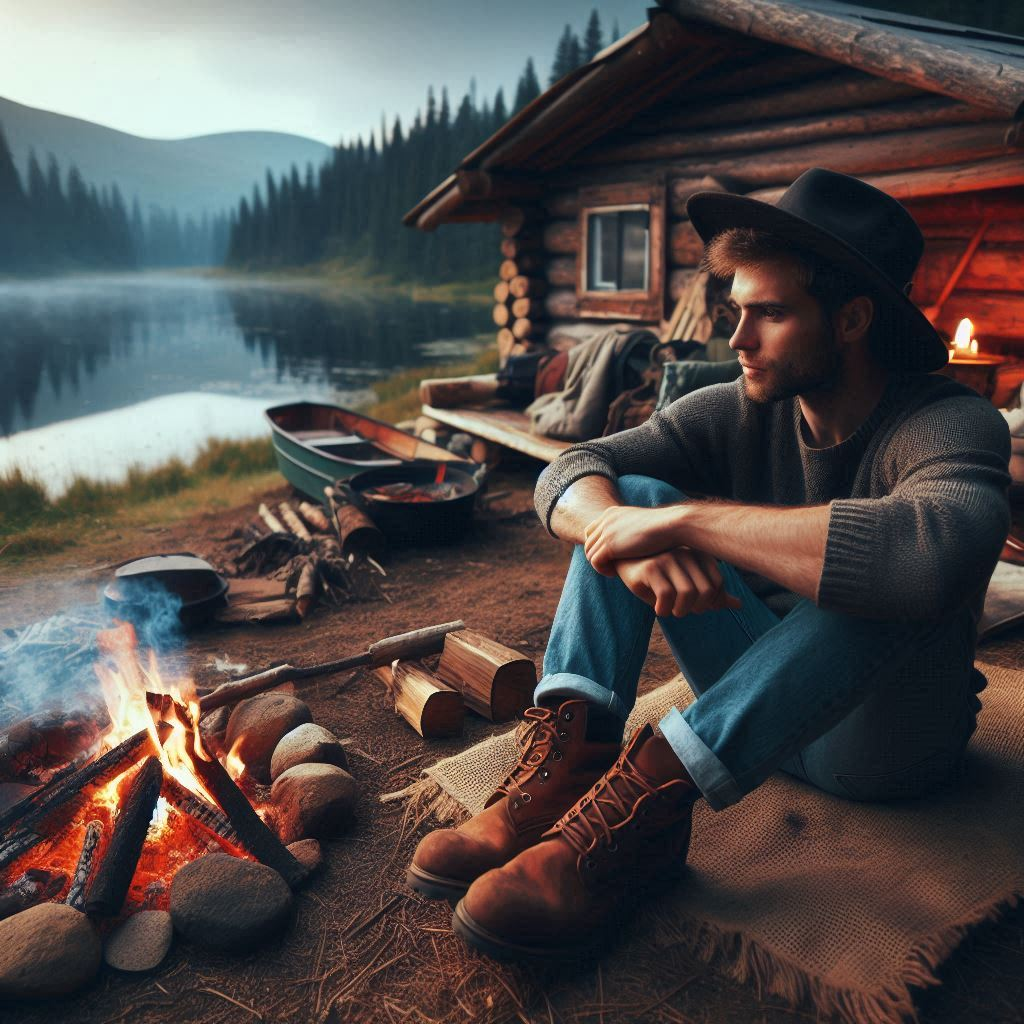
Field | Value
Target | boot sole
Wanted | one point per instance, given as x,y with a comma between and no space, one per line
435,887
501,949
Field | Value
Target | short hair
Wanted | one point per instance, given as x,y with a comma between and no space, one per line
832,286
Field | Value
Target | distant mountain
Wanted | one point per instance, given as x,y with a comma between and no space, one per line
208,172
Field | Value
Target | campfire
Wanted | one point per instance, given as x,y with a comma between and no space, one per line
111,828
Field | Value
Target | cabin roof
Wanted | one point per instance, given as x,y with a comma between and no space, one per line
976,66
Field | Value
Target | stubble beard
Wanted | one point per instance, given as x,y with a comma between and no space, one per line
781,381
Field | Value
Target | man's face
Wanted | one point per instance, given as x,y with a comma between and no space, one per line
785,345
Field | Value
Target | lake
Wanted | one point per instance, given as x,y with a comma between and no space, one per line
101,372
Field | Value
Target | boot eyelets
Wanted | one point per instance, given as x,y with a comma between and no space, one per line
515,805
612,847
567,716
556,756
562,734
544,773
527,798
588,863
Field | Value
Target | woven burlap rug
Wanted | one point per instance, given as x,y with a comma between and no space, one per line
838,905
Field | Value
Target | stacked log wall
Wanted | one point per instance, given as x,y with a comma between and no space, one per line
754,129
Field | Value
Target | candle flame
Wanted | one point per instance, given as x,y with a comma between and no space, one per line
964,333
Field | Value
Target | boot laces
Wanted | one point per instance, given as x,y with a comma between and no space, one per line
615,792
535,736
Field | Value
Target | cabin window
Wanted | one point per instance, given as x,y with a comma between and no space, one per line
621,256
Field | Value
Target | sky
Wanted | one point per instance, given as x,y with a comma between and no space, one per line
323,69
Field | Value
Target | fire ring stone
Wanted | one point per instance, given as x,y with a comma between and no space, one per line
224,902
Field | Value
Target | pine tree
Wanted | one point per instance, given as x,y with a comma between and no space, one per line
562,65
528,88
14,236
593,38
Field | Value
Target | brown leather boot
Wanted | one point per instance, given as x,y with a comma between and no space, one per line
558,764
556,899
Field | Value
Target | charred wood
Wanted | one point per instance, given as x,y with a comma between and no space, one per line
45,741
34,886
188,803
86,863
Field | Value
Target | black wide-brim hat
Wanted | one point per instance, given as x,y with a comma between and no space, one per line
855,227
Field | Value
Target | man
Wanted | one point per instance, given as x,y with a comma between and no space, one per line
821,594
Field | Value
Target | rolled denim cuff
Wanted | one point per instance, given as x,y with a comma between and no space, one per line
712,777
573,687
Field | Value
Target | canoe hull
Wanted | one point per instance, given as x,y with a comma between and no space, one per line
316,444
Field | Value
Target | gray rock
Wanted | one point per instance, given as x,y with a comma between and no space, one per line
308,744
256,725
224,902
141,942
308,853
313,800
48,950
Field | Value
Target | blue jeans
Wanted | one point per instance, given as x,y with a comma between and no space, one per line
861,708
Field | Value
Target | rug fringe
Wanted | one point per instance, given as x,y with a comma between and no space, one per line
425,798
747,961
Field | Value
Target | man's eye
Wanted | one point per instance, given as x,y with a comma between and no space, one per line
771,313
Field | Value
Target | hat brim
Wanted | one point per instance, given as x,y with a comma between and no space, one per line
918,348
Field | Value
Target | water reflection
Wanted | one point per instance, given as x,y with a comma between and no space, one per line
75,347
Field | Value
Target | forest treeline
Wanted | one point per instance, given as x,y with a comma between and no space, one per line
351,209
56,221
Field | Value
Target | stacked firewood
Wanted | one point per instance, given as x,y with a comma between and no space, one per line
520,311
305,556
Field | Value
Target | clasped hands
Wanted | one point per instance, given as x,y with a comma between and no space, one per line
643,547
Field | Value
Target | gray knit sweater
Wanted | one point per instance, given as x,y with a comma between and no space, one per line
917,494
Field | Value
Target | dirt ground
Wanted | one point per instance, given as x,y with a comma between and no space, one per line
364,948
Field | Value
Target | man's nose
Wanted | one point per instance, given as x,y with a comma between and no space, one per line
744,337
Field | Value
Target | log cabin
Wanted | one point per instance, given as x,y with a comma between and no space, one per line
589,182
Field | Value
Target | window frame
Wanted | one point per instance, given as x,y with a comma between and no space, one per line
627,304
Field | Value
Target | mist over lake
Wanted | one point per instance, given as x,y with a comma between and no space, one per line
74,348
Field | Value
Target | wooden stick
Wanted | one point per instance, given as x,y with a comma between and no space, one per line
933,311
110,886
86,862
314,515
273,523
253,834
293,522
415,644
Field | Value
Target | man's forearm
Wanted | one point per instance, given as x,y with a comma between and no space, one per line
786,545
580,505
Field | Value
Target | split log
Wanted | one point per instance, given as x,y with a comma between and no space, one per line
357,533
199,810
506,340
501,292
293,522
527,244
754,135
561,304
523,329
685,247
561,272
500,314
528,307
37,806
86,864
431,707
253,834
109,887
523,266
562,237
273,523
282,610
32,887
43,741
314,515
306,589
527,287
453,392
494,680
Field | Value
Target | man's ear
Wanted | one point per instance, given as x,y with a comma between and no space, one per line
853,320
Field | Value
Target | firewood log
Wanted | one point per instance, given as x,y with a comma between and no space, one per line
528,307
501,292
273,523
357,533
430,706
523,329
293,522
280,610
453,392
494,680
109,886
306,589
199,810
523,287
562,237
314,515
45,740
523,266
506,339
32,887
86,865
501,315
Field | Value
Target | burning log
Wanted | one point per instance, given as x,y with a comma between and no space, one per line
21,842
199,810
253,834
494,680
45,741
35,807
86,861
110,885
415,644
314,515
273,523
295,524
35,886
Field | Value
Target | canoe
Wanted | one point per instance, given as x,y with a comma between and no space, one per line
316,444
